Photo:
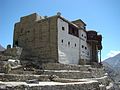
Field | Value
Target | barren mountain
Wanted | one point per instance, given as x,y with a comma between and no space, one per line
1,48
112,67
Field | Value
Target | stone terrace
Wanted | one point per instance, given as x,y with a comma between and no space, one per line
55,76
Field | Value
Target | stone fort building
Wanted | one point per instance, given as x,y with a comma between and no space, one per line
55,39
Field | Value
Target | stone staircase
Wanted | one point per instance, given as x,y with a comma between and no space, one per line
58,66
72,71
69,74
62,77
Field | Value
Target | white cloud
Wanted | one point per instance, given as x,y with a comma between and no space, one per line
112,53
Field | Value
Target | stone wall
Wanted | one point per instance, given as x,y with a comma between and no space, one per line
11,53
46,47
37,38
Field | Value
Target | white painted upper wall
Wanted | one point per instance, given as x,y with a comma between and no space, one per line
84,46
68,45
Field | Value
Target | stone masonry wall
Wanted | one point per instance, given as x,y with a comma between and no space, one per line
46,45
37,38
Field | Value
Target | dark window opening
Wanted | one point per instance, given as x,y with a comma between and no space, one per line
82,35
28,31
16,43
82,46
68,43
62,41
84,27
63,28
73,30
75,44
85,48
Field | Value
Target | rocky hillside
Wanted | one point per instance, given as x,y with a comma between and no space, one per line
1,48
112,67
111,71
114,61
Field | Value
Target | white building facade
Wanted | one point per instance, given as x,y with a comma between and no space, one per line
84,46
72,43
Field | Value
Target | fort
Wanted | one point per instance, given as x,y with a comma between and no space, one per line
55,39
52,53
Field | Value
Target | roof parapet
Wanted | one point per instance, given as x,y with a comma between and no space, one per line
31,18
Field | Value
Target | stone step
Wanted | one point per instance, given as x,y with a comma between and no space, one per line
22,77
89,85
73,74
102,80
21,72
95,72
58,66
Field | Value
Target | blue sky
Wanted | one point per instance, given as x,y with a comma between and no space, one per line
100,15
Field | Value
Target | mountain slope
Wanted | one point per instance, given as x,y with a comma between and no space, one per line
114,61
1,48
112,67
